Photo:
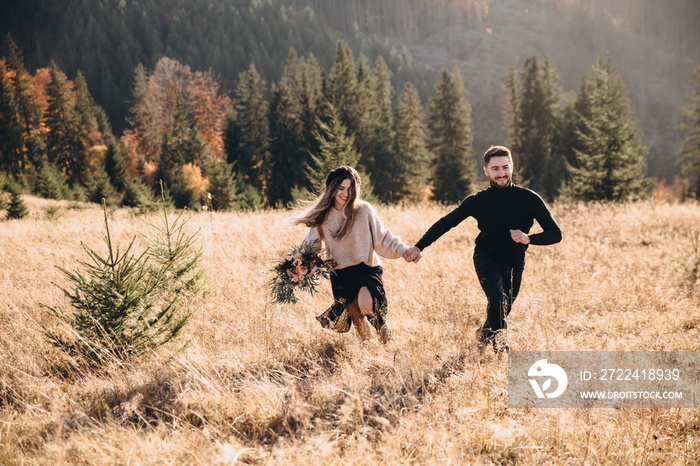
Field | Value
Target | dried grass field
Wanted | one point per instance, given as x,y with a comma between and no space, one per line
263,383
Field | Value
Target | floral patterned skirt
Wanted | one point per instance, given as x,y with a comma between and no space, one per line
346,284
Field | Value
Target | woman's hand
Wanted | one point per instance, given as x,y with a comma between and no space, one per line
412,254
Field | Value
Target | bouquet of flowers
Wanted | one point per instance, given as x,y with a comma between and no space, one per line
300,269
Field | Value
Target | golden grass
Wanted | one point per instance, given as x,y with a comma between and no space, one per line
263,383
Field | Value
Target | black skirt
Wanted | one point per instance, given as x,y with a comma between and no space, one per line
346,284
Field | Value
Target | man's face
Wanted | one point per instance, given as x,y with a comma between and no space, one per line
500,171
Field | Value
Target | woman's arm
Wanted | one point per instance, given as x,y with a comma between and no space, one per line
313,235
386,244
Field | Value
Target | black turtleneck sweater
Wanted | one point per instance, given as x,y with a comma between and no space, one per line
497,211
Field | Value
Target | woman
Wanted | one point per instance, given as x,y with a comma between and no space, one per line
354,235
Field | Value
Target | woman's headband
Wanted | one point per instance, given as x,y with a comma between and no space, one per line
340,172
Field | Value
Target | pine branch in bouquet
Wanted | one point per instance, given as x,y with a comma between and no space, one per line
299,270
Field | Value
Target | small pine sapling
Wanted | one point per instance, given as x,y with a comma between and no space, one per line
125,304
16,209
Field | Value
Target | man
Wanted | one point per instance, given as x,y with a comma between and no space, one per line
505,213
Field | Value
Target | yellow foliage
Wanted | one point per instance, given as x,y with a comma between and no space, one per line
96,156
194,181
149,172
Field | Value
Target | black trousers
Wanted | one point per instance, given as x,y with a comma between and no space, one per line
501,285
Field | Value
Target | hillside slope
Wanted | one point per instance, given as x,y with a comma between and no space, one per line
652,44
658,75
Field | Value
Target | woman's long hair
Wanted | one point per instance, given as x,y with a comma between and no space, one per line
317,213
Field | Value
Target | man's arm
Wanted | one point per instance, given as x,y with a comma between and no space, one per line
439,228
446,223
551,233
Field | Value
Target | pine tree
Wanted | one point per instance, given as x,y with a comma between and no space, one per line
572,122
174,250
222,185
342,88
689,158
363,124
247,197
288,157
233,139
511,109
293,69
63,139
554,170
125,304
115,167
412,156
387,173
141,118
311,98
336,148
99,188
27,106
10,128
16,209
450,134
527,148
611,165
87,111
139,196
287,163
182,145
251,154
533,128
103,125
50,182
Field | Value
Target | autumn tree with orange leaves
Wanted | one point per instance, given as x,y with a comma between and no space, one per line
172,96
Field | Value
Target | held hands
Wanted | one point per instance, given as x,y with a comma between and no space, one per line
519,237
412,254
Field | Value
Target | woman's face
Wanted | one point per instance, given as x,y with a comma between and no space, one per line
340,198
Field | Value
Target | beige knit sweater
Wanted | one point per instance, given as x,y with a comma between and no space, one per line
366,240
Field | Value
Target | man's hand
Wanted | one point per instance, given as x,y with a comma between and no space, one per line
519,237
412,254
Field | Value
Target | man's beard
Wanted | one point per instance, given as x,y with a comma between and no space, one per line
501,185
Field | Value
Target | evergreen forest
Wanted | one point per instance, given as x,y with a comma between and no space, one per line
238,104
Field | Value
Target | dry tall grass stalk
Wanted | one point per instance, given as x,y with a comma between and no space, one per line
263,383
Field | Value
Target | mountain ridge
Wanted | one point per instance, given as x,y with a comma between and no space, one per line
653,47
